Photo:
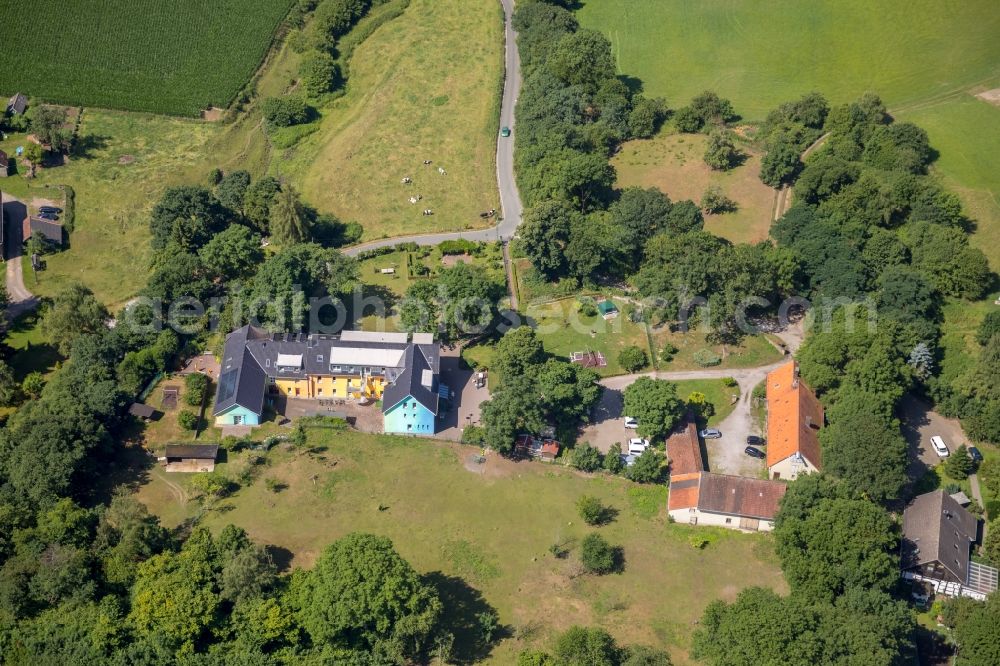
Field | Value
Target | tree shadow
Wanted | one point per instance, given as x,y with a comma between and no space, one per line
282,557
462,606
85,146
375,300
633,83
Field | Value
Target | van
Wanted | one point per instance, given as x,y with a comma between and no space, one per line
939,446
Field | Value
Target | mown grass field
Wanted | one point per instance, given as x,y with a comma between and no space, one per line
423,86
143,55
674,164
491,527
924,57
907,50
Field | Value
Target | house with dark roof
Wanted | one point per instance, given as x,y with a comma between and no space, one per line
51,230
794,417
698,497
356,365
17,104
938,535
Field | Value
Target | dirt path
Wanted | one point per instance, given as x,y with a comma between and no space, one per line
20,299
783,199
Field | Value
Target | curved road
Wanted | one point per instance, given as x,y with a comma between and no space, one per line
19,298
510,199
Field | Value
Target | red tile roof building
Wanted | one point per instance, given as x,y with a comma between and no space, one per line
794,417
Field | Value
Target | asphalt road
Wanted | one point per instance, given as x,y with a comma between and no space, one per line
510,198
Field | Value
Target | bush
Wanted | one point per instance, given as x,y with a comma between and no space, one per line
647,468
588,308
459,246
188,420
729,382
721,153
196,386
597,555
592,511
586,458
319,73
213,484
613,460
715,201
959,465
285,111
632,359
33,384
991,545
668,352
707,358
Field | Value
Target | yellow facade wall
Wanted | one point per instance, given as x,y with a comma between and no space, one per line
331,387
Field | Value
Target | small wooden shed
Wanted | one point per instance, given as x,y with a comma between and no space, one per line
191,457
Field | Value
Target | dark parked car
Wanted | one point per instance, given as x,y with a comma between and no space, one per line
755,440
51,217
710,433
754,453
975,454
49,209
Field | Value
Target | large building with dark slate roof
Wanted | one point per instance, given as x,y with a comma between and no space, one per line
391,367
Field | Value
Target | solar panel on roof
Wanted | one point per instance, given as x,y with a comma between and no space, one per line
227,385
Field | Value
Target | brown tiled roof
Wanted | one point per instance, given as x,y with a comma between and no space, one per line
740,496
683,491
684,450
794,417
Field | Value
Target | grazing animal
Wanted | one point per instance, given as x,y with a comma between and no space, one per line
442,171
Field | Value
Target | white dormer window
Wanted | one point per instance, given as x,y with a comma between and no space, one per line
267,362
319,358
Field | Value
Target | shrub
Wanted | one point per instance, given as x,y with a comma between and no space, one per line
285,111
213,484
959,465
715,201
33,384
598,556
729,382
613,460
188,420
668,352
588,308
586,458
459,246
592,511
632,359
721,152
707,358
698,402
196,386
647,468
319,73
991,545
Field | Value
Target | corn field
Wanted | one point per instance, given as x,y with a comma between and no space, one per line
175,57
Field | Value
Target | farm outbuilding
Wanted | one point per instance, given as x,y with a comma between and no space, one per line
191,457
51,230
141,411
17,104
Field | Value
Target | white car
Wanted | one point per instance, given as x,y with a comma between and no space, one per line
939,446
637,445
631,423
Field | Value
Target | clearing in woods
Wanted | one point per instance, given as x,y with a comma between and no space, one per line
493,528
424,86
673,163
142,55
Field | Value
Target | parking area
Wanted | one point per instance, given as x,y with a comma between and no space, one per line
466,396
920,423
607,424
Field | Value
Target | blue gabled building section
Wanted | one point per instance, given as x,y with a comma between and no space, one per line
410,404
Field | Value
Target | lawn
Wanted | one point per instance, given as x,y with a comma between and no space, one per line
673,163
126,162
722,398
142,55
564,330
461,523
423,86
752,352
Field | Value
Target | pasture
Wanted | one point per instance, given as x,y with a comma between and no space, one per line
492,527
673,163
423,86
141,55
